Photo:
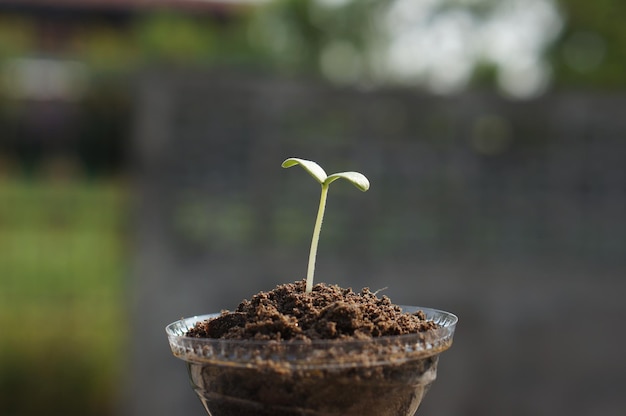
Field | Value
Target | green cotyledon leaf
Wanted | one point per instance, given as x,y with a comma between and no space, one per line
357,179
313,168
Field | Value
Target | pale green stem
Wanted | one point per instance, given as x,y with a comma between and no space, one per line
316,238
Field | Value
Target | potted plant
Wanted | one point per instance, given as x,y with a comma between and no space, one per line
305,349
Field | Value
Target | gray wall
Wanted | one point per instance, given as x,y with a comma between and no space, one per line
509,214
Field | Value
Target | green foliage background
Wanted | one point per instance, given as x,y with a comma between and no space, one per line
288,36
63,267
602,19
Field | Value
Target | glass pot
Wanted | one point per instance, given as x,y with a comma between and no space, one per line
385,376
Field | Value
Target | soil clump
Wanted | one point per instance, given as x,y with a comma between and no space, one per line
287,313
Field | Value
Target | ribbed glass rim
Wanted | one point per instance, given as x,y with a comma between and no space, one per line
312,353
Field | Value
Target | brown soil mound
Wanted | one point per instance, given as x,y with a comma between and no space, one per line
328,312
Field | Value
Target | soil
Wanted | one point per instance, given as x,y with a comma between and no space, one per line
328,312
368,379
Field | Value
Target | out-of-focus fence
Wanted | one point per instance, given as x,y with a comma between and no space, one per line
510,214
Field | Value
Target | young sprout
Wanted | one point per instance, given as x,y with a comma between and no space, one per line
315,170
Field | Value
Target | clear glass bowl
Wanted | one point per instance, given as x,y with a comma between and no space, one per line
385,376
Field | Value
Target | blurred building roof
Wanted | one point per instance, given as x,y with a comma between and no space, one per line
126,5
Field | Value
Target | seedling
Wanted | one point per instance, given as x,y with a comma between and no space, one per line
315,170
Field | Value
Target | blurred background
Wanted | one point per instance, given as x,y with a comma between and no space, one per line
140,182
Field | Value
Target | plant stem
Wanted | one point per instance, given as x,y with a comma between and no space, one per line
316,238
